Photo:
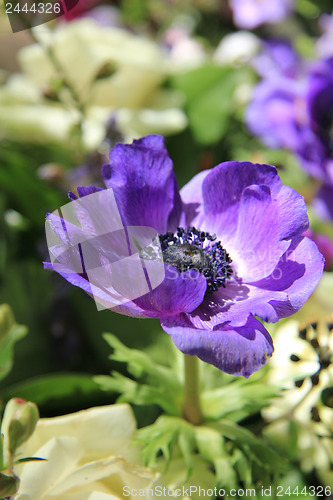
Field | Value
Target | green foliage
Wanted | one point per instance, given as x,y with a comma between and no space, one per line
166,434
10,333
154,385
209,100
30,195
237,400
238,457
51,389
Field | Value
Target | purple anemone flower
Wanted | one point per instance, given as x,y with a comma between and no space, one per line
231,245
276,113
297,113
277,58
316,145
250,14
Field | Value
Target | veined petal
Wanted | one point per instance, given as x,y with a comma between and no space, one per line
144,184
234,350
222,190
256,248
179,292
279,295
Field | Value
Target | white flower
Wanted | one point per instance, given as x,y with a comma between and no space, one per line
88,457
303,367
237,48
111,72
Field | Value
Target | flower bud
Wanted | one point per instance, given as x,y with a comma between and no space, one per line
6,320
22,417
8,485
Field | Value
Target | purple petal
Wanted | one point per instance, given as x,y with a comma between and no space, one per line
86,190
256,243
235,350
141,175
191,195
277,296
305,252
265,226
65,230
179,292
101,296
223,187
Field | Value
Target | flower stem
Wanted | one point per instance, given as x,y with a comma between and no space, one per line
191,409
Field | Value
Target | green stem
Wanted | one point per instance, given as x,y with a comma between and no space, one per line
191,409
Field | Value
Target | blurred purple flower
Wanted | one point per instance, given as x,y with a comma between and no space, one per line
246,259
316,142
276,112
250,14
277,57
324,44
323,203
297,113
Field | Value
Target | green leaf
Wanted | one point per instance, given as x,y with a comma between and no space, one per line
209,90
30,193
10,333
134,392
51,389
237,400
156,384
210,443
255,448
164,436
225,473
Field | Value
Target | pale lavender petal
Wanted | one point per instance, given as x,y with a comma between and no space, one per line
100,295
192,197
250,14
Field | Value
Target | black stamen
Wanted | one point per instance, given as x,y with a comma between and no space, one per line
192,249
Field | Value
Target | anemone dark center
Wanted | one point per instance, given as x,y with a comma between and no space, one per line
193,249
186,256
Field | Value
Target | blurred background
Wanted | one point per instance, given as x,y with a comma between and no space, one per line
108,72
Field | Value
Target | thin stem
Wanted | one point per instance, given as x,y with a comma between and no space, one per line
191,409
